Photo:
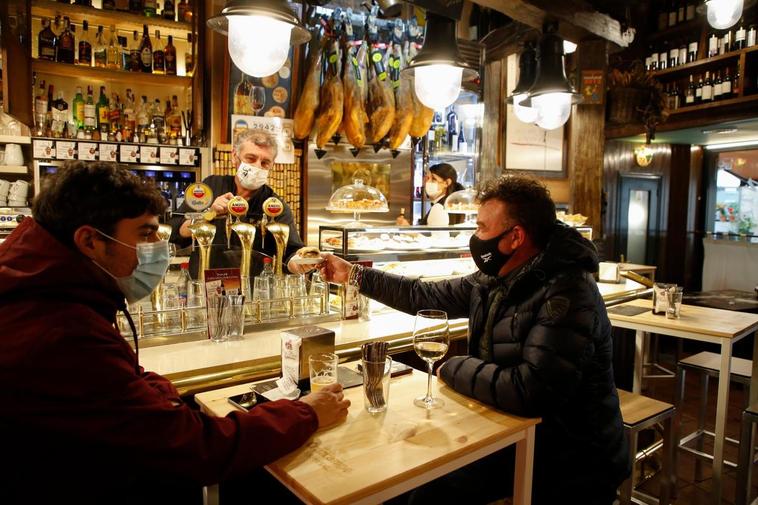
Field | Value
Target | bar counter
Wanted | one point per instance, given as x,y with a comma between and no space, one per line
199,366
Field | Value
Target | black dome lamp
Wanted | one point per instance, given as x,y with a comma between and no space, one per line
527,65
260,34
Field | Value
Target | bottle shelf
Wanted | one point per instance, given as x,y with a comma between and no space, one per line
123,20
715,105
108,74
15,139
701,65
9,169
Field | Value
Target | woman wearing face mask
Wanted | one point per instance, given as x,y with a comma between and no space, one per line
253,154
439,183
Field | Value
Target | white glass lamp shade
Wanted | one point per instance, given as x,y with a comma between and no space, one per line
524,114
438,86
723,13
258,45
568,47
554,109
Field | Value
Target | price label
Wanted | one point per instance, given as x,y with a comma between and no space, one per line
65,150
130,154
187,157
108,152
44,149
198,196
149,154
87,151
169,155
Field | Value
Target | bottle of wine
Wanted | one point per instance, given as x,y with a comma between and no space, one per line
689,99
189,56
663,56
692,52
168,10
726,85
146,51
690,13
169,55
113,55
151,8
699,90
707,88
740,36
159,55
47,42
78,108
674,55
66,44
713,45
682,57
85,46
717,88
185,12
135,63
101,50
90,113
681,11
137,7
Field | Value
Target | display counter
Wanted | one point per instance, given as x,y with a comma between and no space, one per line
729,263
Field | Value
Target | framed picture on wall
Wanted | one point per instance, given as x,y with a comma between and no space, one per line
529,148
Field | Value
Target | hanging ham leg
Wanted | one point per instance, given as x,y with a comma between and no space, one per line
404,108
305,113
355,118
381,98
332,99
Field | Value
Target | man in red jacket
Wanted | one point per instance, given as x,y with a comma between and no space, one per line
81,421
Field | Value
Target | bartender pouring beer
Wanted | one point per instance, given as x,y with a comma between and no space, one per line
254,153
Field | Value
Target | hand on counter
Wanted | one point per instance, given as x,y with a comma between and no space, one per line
401,221
329,403
220,204
334,269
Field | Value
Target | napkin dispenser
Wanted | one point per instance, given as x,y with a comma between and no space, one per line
609,272
300,343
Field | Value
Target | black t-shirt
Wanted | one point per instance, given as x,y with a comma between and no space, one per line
221,257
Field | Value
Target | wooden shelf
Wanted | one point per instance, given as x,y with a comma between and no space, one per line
715,105
122,20
15,139
678,30
703,64
107,74
9,169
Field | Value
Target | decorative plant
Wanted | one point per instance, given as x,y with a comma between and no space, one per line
653,109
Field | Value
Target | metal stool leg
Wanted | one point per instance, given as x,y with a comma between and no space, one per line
701,425
668,475
746,459
627,487
676,430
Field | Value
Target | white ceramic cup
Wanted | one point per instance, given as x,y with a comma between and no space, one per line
5,187
13,155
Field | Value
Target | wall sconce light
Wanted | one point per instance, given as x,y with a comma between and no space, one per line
260,33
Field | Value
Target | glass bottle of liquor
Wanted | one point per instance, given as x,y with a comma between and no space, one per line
85,46
101,50
189,56
114,114
114,52
751,36
143,119
717,88
151,8
168,10
674,55
175,119
169,55
740,35
159,55
57,26
47,42
135,64
682,56
713,45
726,85
49,114
707,88
726,42
109,4
40,110
78,108
185,12
159,122
146,51
699,90
103,123
692,51
90,113
672,13
689,99
137,7
242,97
130,115
663,56
736,82
124,53
60,116
66,44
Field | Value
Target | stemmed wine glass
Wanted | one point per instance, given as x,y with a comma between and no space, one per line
431,338
258,98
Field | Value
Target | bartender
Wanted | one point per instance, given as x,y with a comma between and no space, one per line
440,182
254,154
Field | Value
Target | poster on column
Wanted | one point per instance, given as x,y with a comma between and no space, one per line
280,128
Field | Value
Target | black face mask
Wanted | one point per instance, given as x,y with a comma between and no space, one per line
486,255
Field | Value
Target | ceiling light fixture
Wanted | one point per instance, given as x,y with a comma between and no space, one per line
527,65
260,33
568,47
723,13
728,145
439,67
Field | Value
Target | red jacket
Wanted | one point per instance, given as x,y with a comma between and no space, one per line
76,418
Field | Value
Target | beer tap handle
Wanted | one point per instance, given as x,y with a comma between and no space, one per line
264,222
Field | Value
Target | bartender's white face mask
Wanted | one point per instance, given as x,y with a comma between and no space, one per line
433,189
251,177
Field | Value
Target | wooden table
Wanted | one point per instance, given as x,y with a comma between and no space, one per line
371,458
703,324
644,270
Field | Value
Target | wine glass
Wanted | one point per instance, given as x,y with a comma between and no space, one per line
431,338
258,98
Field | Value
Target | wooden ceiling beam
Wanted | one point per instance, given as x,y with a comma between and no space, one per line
577,18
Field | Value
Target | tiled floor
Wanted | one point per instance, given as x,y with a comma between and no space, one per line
691,491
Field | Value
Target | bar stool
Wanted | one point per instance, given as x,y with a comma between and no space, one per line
640,412
745,463
707,365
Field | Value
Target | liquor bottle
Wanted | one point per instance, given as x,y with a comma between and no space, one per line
129,115
109,4
114,52
663,56
114,115
736,83
85,46
135,64
707,88
751,39
78,108
159,55
150,8
40,110
137,7
673,55
689,99
101,50
682,57
60,116
675,96
726,85
66,44
146,51
692,52
713,45
440,133
169,55
462,144
103,113
726,42
90,113
189,56
739,36
690,12
57,26
681,11
699,90
242,103
168,10
717,88
159,116
672,13
452,130
124,57
49,113
185,12
654,61
143,119
48,42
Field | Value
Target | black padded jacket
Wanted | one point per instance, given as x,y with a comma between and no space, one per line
550,352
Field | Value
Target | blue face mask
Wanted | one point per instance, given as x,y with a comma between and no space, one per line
152,262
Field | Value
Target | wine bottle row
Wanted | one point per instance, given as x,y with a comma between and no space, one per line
172,11
709,87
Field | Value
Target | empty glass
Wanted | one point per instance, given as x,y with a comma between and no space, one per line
170,303
673,302
296,290
262,292
318,294
280,293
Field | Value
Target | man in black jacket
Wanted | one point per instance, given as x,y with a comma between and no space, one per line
539,346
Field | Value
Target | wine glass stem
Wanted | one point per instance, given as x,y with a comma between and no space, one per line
429,383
